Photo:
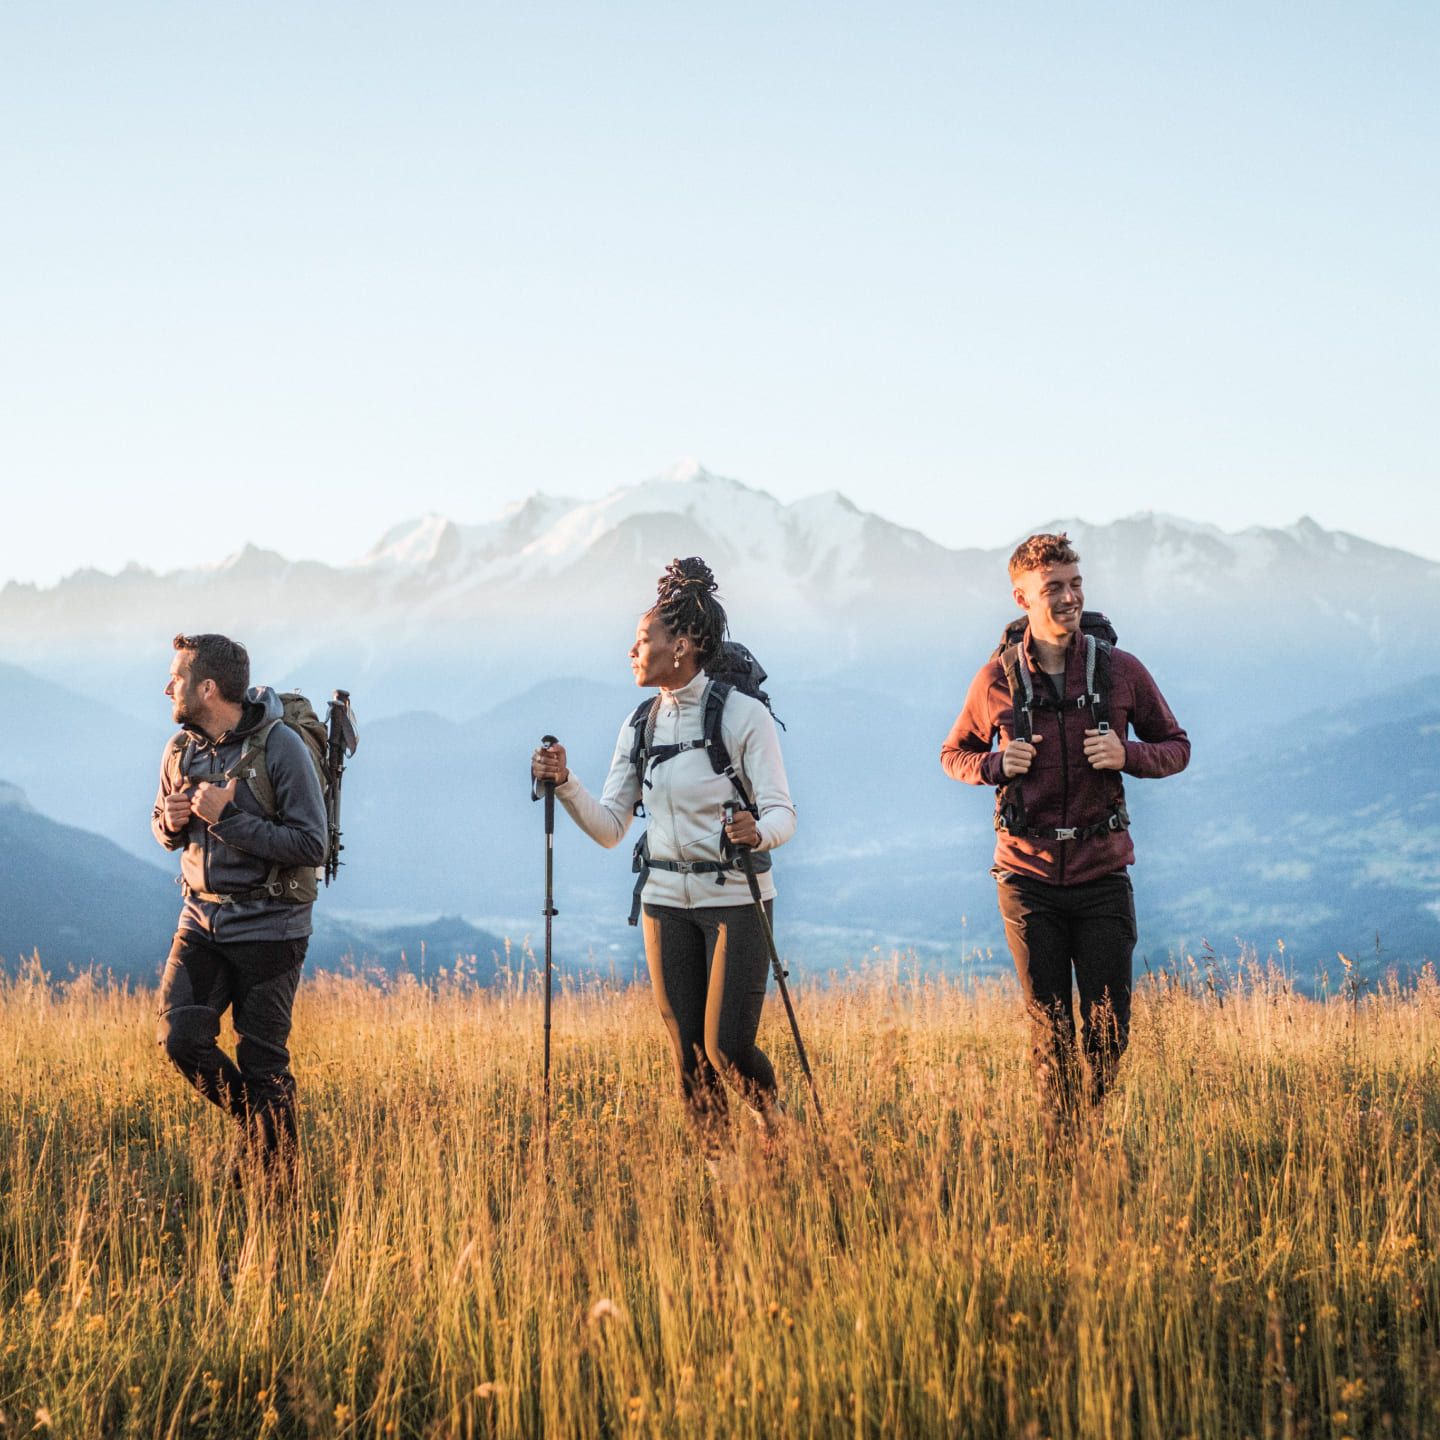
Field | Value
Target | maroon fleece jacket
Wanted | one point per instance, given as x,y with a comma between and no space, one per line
1062,789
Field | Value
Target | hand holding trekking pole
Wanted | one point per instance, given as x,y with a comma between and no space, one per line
740,829
549,764
733,824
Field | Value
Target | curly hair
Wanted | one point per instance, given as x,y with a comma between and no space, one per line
686,604
1041,550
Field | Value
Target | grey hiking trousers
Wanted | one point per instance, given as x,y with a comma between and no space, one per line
256,980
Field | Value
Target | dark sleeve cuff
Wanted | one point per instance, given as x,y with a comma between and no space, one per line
992,768
230,811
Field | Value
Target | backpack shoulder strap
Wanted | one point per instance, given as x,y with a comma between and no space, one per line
251,767
175,754
1022,689
720,761
642,722
716,694
1099,654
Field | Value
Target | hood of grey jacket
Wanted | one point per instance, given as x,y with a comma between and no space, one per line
239,851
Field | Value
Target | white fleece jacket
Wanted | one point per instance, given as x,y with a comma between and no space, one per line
685,799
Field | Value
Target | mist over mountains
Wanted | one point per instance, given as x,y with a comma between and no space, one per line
1311,811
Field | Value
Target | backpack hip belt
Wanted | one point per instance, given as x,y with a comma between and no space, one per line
1118,819
277,883
642,865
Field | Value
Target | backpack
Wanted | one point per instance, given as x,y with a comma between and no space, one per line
733,667
1100,640
297,884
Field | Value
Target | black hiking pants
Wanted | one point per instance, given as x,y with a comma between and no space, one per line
1052,929
708,968
256,981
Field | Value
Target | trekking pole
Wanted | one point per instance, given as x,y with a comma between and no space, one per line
546,741
747,865
342,740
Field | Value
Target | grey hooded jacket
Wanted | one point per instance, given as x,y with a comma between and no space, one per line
235,854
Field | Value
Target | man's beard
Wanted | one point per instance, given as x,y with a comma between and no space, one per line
183,714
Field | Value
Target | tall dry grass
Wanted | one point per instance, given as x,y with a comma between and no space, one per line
1245,1246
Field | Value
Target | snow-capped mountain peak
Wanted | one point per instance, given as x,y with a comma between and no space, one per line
410,544
685,470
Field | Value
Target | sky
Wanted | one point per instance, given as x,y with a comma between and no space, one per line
289,274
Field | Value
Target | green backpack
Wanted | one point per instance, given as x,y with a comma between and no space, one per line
299,884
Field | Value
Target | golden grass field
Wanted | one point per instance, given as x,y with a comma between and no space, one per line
1246,1245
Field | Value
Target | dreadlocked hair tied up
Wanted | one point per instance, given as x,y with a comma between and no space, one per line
685,601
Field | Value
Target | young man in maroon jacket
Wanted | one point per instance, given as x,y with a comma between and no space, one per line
1063,841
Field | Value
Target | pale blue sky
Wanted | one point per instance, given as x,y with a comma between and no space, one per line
291,272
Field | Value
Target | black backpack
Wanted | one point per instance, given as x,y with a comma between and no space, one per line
733,667
1100,640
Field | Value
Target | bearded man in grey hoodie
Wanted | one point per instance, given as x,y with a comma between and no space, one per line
247,872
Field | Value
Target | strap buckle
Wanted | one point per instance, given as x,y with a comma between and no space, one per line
1067,832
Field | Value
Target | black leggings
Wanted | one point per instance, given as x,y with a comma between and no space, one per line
708,967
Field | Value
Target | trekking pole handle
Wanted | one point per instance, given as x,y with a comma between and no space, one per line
548,789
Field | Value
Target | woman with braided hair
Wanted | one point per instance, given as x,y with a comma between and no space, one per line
704,944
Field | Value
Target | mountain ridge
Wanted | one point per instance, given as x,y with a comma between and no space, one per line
456,617
556,528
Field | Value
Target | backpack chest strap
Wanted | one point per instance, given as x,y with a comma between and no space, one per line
1077,702
651,756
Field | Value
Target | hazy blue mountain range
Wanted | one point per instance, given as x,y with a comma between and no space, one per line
1298,658
77,897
